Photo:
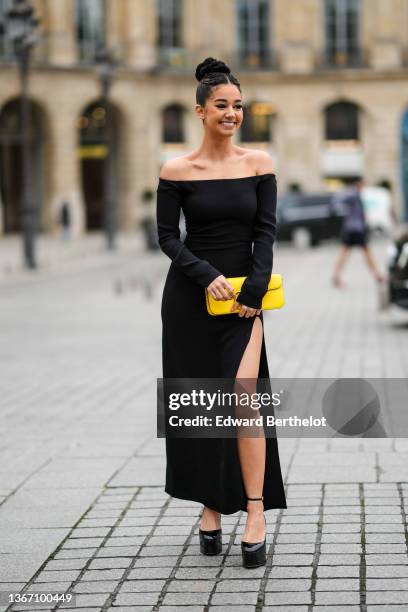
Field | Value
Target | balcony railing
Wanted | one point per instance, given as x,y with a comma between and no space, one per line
336,60
264,60
173,58
182,59
40,50
6,49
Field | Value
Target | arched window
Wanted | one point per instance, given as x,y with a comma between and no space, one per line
99,149
342,121
90,27
256,126
173,123
11,162
253,32
342,21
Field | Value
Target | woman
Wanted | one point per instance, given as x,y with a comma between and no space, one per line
228,196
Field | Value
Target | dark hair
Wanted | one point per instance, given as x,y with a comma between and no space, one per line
210,73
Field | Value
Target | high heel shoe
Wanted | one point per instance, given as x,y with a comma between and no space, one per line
210,542
254,553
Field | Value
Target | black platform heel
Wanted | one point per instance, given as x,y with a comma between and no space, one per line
254,553
210,541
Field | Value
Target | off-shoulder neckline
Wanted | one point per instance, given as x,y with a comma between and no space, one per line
239,178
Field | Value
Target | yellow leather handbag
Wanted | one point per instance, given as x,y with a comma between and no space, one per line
273,298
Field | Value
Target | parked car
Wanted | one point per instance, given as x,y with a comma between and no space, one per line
397,284
308,218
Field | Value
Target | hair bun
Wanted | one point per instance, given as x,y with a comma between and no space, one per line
209,66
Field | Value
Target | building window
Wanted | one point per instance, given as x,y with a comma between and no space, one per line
256,125
253,33
342,121
90,27
169,28
342,19
6,47
169,12
173,123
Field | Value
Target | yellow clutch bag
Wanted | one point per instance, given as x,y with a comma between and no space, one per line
273,297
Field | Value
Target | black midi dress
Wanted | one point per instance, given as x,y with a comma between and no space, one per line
230,230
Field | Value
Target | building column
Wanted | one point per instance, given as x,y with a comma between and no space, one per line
298,139
382,33
138,154
294,33
382,146
60,18
215,34
115,32
64,170
140,33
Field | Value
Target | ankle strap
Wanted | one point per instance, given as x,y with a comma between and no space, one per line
255,498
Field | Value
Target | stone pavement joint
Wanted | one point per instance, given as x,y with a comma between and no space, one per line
403,511
318,544
269,563
363,569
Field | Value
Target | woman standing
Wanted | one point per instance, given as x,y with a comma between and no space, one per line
228,196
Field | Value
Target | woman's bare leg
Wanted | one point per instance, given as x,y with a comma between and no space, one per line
252,450
210,519
371,264
344,253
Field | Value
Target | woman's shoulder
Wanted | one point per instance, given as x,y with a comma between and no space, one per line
174,169
261,161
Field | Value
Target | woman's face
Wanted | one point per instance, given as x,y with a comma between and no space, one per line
222,112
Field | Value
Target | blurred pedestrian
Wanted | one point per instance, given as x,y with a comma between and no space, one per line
354,230
65,220
148,222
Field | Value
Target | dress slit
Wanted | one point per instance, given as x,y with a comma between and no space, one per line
246,346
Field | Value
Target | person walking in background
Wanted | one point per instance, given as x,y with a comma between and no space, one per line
354,231
65,221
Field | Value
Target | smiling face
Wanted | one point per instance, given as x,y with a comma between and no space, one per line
222,112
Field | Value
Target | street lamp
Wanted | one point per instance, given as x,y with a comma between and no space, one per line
105,68
20,27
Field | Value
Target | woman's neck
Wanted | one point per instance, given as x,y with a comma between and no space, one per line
215,149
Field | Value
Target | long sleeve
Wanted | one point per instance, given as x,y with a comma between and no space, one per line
169,197
264,233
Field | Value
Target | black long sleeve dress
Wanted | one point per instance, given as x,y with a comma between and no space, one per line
223,218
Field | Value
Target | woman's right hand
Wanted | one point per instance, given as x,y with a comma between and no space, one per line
221,289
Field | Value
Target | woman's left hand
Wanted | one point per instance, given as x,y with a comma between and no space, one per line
245,311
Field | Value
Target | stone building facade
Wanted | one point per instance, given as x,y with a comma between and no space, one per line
324,85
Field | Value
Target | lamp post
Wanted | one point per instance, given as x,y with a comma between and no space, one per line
105,69
21,25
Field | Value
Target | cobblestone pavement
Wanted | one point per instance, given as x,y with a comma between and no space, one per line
53,252
82,507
